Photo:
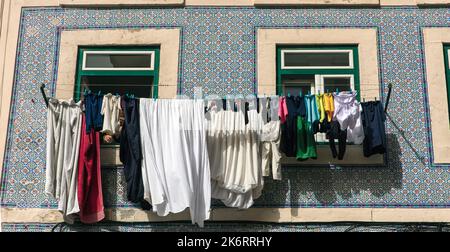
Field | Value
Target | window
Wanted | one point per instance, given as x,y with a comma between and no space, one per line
117,60
447,73
316,59
122,70
314,69
317,69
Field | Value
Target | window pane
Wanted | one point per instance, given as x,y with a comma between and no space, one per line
140,86
118,60
316,59
333,83
294,85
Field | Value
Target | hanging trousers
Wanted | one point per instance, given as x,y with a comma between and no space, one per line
335,132
90,195
131,151
63,142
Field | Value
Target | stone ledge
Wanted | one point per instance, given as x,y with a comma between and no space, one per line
432,2
317,2
278,215
119,3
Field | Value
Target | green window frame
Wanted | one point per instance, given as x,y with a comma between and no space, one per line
320,73
447,73
332,71
154,72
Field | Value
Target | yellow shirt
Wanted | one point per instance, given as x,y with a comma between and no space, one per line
328,104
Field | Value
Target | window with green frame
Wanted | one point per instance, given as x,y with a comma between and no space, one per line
122,70
317,69
117,70
447,72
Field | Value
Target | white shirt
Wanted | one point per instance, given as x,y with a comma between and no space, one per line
110,111
347,111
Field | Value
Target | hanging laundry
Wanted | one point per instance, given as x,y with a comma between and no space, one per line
306,144
110,111
90,194
216,137
274,108
321,111
270,142
334,132
93,107
63,145
131,152
262,106
328,105
320,107
373,118
283,110
312,112
175,165
348,113
295,107
236,176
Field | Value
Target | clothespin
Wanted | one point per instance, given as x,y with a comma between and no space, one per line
99,92
375,98
300,93
337,90
364,99
289,94
328,91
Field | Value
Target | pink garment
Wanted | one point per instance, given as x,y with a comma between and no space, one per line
90,195
282,111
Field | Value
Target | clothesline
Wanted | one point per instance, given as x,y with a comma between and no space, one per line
385,107
207,94
161,84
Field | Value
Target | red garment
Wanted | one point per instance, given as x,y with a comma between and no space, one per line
90,196
282,109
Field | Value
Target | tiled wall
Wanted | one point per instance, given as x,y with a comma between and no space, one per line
218,54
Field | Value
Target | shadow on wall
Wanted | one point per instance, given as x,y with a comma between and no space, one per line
305,187
326,187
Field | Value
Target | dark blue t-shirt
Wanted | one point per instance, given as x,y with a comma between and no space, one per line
373,119
93,108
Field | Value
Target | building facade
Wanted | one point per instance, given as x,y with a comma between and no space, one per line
235,47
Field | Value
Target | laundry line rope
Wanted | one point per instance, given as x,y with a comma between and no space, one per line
162,84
